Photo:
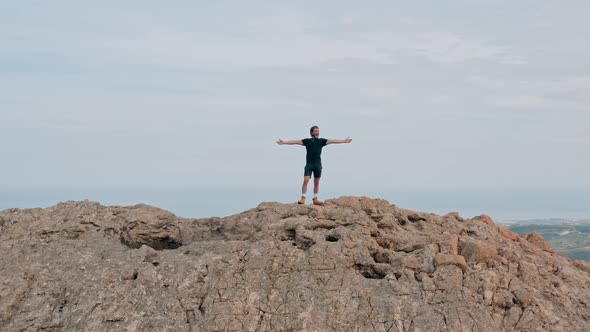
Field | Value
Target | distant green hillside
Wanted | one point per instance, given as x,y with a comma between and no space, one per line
577,254
570,240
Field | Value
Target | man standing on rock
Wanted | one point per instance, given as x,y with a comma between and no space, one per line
314,147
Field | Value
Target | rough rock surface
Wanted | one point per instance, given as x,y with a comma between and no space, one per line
355,264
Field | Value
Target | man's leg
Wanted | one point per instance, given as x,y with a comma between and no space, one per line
317,174
316,186
304,188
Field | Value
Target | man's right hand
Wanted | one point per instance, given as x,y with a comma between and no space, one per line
280,142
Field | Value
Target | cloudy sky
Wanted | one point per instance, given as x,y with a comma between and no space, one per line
483,96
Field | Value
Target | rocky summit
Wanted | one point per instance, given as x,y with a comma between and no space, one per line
354,264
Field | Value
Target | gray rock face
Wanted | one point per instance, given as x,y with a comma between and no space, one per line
354,264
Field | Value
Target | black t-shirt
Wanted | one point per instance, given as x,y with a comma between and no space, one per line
314,149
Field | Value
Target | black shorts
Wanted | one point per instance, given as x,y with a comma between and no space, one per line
315,168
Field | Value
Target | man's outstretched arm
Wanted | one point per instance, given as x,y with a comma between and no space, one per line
293,142
339,141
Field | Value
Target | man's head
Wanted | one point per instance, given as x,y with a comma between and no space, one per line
314,132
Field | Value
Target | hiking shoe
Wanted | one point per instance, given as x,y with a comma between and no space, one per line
317,202
302,200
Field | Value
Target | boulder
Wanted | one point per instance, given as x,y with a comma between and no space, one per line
448,243
456,260
485,219
538,241
508,233
448,277
476,251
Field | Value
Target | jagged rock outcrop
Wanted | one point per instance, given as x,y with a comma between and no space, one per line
355,264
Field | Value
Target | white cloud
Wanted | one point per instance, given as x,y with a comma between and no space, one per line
569,94
447,47
522,101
